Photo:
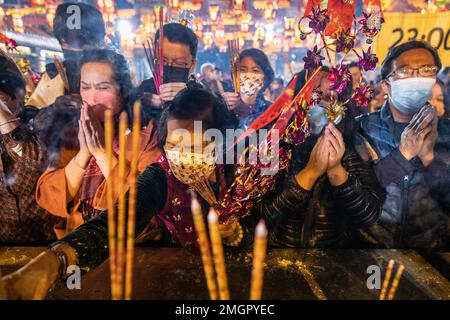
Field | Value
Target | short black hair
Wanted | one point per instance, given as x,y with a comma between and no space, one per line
395,52
260,58
91,32
121,73
11,78
197,103
178,33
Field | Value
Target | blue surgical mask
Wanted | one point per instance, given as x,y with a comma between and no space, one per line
317,118
410,94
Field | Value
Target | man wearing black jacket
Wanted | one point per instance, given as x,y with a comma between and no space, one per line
328,193
410,152
179,54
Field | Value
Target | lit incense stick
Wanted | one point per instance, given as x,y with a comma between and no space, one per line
109,136
387,279
3,295
233,50
132,200
259,256
121,215
62,72
219,260
394,286
203,242
160,43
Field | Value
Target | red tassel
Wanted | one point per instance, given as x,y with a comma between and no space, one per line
373,3
310,5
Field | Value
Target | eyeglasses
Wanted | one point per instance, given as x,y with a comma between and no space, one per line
408,72
178,63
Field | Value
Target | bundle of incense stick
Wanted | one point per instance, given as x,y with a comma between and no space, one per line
395,282
62,72
233,50
121,261
150,53
259,256
160,42
155,53
203,187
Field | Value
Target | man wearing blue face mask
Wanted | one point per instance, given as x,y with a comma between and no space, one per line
410,152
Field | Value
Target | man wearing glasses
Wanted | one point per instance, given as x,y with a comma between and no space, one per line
179,60
409,148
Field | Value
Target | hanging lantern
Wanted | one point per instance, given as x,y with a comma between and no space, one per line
208,40
277,42
174,4
148,24
260,4
17,16
191,5
283,4
260,33
286,44
38,3
269,13
223,48
219,33
198,25
245,27
239,5
213,12
50,13
289,23
108,9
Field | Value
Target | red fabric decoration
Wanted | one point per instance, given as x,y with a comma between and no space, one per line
341,15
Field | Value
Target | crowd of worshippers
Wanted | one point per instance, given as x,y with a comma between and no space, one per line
380,178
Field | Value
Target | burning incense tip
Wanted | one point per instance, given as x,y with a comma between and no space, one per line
261,230
195,204
212,216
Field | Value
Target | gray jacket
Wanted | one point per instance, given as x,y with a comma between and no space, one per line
415,213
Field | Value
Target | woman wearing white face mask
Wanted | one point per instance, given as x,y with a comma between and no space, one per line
255,75
162,191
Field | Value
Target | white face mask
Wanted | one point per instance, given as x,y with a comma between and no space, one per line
250,83
410,94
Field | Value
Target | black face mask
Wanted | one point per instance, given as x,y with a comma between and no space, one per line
175,74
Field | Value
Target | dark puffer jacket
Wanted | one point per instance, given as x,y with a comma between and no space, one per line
326,216
415,214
